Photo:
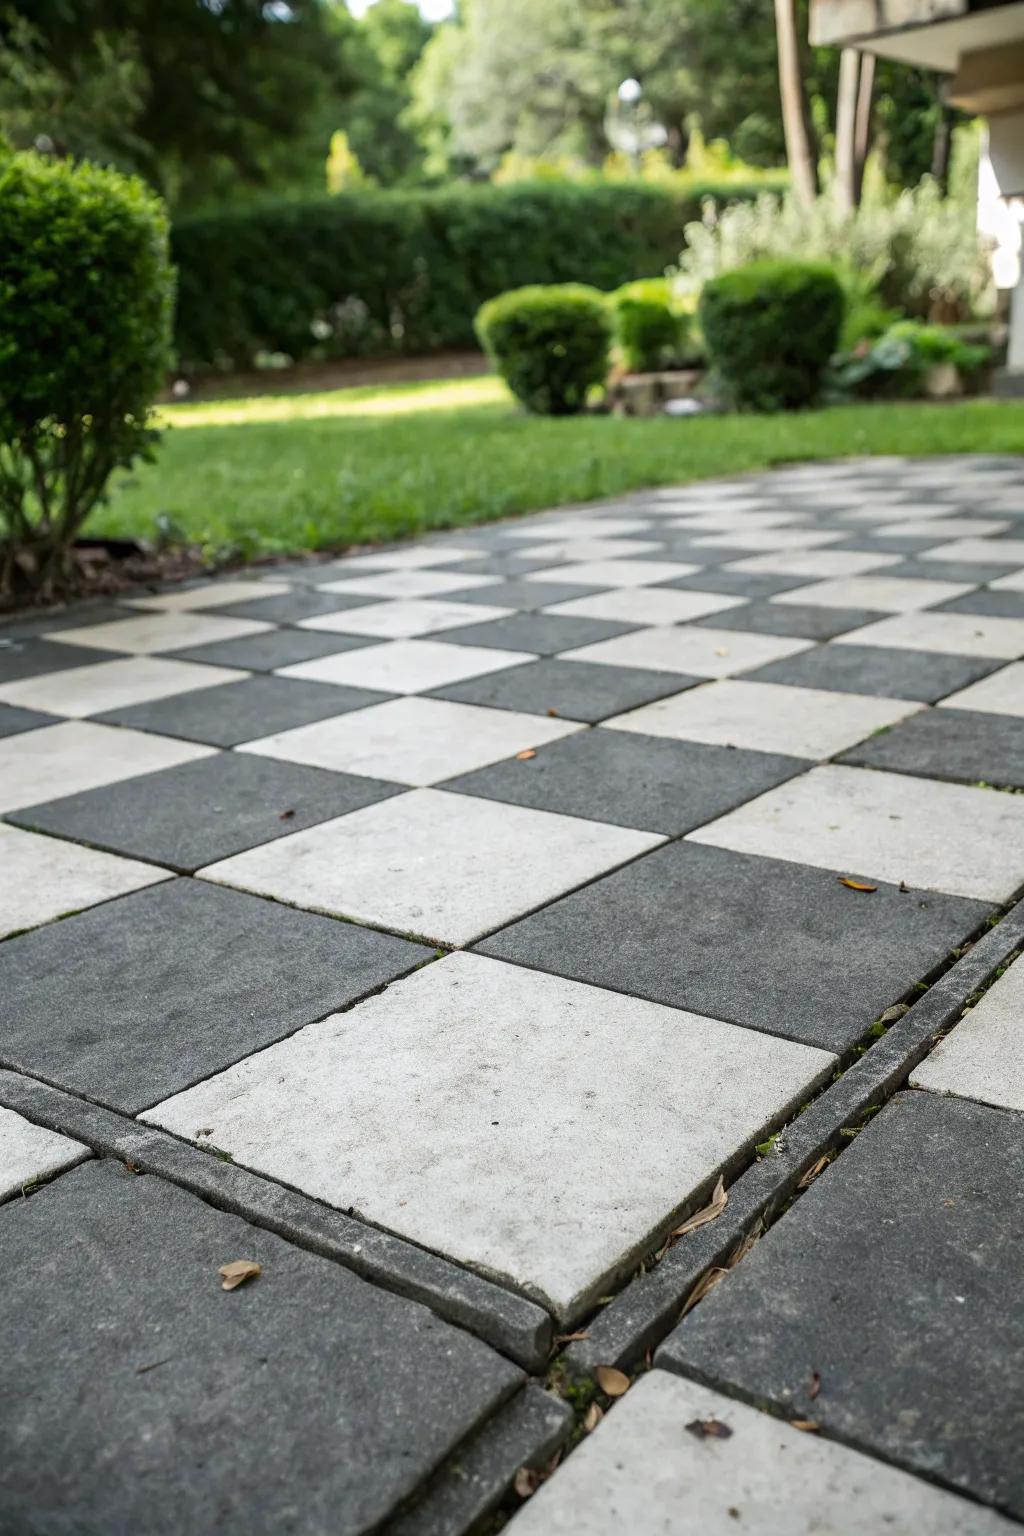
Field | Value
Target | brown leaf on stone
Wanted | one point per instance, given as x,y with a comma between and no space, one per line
709,1429
571,1338
552,712
856,885
812,1173
706,1283
815,1385
808,1426
285,815
717,1204
524,757
593,1417
895,1012
526,1481
744,1246
237,1273
612,1381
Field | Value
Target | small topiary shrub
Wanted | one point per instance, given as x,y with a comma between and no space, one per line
771,329
649,331
550,345
86,293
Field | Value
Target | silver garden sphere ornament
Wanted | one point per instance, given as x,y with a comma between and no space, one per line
629,124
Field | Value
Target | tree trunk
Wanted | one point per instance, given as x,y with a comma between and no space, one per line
799,151
942,146
846,129
862,127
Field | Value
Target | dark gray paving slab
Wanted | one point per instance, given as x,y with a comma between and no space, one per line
272,649
897,1280
236,712
33,657
971,745
142,1397
524,595
920,675
881,544
989,605
194,814
972,571
572,690
13,721
52,621
139,998
545,634
632,781
290,607
770,944
807,621
498,564
739,583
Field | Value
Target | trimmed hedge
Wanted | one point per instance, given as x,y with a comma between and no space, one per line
370,273
650,332
771,329
550,345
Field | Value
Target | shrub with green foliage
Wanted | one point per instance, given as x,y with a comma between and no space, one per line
550,345
649,331
370,272
898,362
771,329
86,293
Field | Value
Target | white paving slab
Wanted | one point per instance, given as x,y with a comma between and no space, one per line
1012,583
820,563
771,539
646,605
890,594
63,759
1001,693
575,550
83,691
407,583
44,878
162,631
212,595
617,573
886,826
444,867
948,528
406,666
536,1128
985,551
766,717
29,1152
644,1470
571,527
410,558
983,1057
703,652
954,634
405,618
725,518
412,740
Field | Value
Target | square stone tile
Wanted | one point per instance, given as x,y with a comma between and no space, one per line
771,540
943,837
806,621
447,867
1001,693
945,529
45,878
766,717
137,999
30,1152
815,564
525,594
778,947
955,634
571,527
401,620
78,755
208,595
20,659
542,633
965,744
161,631
728,579
306,1401
645,606
616,573
293,605
631,781
407,557
1011,583
702,651
896,1279
453,1122
570,690
245,710
1011,550
891,594
407,666
958,571
412,740
110,685
922,675
273,649
199,812
574,551
645,1469
983,1057
407,583
14,721
992,605
33,624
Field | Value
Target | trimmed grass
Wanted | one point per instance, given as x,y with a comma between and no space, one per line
288,473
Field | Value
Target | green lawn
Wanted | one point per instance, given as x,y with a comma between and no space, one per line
273,474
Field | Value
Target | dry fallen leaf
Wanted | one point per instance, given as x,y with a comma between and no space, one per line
812,1172
285,815
524,757
856,885
706,1283
571,1338
709,1429
815,1386
237,1272
744,1246
526,1481
715,1207
552,712
892,1014
614,1382
593,1417
807,1425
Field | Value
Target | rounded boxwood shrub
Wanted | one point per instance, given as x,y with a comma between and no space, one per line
771,329
86,293
550,345
649,332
